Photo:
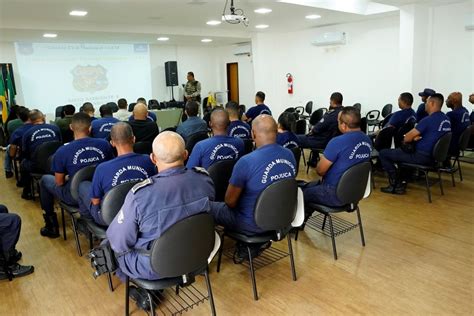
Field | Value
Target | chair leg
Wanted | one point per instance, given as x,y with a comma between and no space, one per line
428,186
76,236
64,224
221,250
452,178
127,289
304,157
32,188
91,241
309,159
297,233
362,238
440,183
152,307
292,259
252,275
333,239
209,292
459,168
324,222
111,284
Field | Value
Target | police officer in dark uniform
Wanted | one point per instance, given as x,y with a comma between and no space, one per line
406,113
192,89
421,111
460,120
157,203
236,128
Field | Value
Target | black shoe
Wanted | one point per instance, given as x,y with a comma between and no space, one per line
140,296
312,164
8,174
388,189
26,196
399,189
19,184
15,271
51,228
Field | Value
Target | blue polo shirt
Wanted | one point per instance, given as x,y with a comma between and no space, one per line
17,136
287,139
460,120
239,129
81,153
344,151
256,171
420,112
402,117
327,127
125,168
208,151
255,111
150,117
37,135
431,129
101,127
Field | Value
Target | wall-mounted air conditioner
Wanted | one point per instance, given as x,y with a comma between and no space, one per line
241,50
330,38
470,22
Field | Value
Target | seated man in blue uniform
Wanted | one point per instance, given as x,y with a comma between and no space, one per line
38,134
285,136
14,141
460,120
219,147
253,173
101,127
69,159
157,203
236,128
424,136
406,113
325,129
341,153
193,124
259,108
127,166
421,112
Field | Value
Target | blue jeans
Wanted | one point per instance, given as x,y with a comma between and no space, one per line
8,163
49,190
390,157
319,193
231,219
86,208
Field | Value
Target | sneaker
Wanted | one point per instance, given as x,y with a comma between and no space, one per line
8,174
15,270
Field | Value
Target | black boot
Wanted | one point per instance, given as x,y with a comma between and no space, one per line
391,185
51,228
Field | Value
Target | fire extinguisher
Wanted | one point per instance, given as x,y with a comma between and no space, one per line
289,79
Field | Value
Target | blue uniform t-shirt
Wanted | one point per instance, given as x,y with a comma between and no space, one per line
125,168
81,153
460,120
150,117
255,111
344,151
17,136
216,148
402,117
431,129
37,135
421,112
101,127
256,171
239,129
287,139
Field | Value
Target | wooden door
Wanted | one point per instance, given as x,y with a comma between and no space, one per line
233,81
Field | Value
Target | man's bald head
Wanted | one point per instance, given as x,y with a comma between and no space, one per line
122,134
169,148
454,100
264,129
36,116
140,111
219,120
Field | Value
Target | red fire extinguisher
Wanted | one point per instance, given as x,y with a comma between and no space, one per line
289,79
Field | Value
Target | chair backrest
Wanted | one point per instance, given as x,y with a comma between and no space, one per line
386,110
309,107
194,139
42,154
464,138
300,127
353,182
276,205
153,104
290,110
144,148
59,111
248,146
363,125
358,106
299,110
131,106
113,201
316,116
204,102
85,174
383,140
441,148
297,153
220,173
184,248
373,115
400,134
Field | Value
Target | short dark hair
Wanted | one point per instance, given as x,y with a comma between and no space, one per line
337,97
439,98
35,114
192,108
69,109
350,116
407,98
190,73
232,106
260,95
122,133
105,110
286,120
81,119
23,113
87,107
141,100
122,103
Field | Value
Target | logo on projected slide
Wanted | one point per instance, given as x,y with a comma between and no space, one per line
89,78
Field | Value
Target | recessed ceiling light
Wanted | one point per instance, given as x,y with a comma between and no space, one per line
213,22
50,35
263,11
163,39
261,26
313,17
206,40
78,13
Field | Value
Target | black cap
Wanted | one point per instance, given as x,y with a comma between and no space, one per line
427,93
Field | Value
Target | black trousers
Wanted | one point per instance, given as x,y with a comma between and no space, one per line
10,226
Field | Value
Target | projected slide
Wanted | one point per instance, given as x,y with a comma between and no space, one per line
59,74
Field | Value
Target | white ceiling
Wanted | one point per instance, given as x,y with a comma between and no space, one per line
183,21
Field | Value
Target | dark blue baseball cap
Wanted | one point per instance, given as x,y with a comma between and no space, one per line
427,93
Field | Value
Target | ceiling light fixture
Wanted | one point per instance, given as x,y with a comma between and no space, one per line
313,17
50,35
263,11
261,26
206,40
213,22
78,13
163,39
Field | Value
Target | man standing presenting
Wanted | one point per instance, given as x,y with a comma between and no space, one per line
192,89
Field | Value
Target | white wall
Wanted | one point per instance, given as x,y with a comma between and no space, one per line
7,55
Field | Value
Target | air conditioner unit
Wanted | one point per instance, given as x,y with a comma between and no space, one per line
243,50
470,22
330,38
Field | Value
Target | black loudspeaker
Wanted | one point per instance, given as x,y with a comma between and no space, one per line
171,71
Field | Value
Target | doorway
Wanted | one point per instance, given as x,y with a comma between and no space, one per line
233,82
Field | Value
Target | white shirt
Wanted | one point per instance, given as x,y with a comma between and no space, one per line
122,115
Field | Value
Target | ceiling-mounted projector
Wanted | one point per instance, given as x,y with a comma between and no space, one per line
236,16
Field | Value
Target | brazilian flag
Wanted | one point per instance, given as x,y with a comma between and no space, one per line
3,99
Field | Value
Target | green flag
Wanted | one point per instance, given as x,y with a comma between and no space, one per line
10,89
3,99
